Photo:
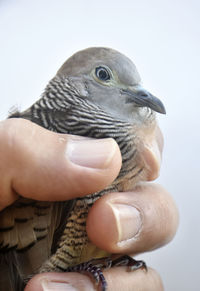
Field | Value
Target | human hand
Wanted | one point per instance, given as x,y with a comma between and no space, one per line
38,166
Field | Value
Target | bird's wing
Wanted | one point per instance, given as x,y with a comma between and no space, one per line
29,231
24,223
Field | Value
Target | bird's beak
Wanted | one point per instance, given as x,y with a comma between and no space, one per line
143,98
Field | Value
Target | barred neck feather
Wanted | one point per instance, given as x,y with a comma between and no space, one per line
63,109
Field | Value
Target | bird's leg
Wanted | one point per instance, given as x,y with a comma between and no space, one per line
94,268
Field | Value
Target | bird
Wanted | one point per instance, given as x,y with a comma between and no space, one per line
96,93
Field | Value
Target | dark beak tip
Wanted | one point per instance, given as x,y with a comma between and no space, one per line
157,105
162,110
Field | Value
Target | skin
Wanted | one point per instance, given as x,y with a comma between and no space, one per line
28,153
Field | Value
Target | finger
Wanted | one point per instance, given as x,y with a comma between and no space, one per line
133,222
60,281
117,278
43,165
151,152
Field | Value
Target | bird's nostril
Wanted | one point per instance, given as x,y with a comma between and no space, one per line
143,94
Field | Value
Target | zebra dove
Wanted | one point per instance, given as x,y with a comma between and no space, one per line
96,93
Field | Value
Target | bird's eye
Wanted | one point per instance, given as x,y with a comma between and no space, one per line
102,74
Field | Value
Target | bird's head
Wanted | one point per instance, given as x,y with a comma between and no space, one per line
109,79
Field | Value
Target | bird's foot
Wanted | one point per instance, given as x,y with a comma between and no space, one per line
131,263
94,268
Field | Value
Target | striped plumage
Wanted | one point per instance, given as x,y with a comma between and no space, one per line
66,107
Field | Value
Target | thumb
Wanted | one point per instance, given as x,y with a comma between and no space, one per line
43,165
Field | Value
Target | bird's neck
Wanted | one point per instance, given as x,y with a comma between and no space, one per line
61,109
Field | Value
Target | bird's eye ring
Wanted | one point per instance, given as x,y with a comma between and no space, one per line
102,73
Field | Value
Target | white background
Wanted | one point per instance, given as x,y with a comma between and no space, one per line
162,38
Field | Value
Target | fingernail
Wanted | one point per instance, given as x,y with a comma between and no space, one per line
54,286
91,153
128,221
